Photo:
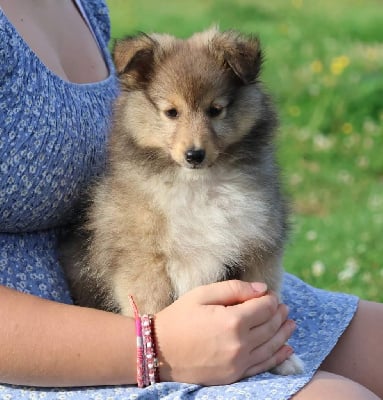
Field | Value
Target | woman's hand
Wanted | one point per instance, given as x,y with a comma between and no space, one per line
222,332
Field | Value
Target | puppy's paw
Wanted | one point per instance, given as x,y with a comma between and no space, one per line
292,366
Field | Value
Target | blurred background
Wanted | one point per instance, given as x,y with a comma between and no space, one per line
324,67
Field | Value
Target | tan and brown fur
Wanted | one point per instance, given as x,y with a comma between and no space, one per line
159,225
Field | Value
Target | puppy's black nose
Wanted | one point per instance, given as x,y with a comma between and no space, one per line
195,157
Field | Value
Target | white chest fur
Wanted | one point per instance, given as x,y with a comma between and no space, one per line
212,215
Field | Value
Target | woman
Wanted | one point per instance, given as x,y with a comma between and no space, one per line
57,85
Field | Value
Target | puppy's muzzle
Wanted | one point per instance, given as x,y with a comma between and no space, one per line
195,157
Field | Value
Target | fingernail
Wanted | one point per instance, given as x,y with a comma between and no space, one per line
287,309
259,287
289,351
292,324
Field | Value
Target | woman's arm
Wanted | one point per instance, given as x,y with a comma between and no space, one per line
44,343
214,334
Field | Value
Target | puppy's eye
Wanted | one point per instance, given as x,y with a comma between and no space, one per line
214,111
172,113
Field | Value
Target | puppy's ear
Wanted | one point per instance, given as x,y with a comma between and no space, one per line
134,60
241,53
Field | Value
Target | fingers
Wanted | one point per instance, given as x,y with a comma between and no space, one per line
275,359
262,333
228,293
276,341
271,353
257,311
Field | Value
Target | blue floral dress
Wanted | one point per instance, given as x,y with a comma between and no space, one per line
52,141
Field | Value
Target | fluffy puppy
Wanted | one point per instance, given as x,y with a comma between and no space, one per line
191,193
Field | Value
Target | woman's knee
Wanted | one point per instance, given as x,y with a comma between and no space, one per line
359,351
326,385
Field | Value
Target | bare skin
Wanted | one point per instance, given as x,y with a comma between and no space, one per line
36,329
247,333
326,385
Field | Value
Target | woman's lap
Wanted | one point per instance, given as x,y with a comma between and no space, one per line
321,319
353,368
359,353
326,385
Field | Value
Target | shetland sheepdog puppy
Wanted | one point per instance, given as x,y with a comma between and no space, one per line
191,194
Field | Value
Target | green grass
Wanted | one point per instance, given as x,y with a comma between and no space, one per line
324,67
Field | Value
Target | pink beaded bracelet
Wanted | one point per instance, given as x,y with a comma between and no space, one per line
140,352
149,346
147,363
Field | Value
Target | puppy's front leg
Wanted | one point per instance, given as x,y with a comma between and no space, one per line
149,285
259,266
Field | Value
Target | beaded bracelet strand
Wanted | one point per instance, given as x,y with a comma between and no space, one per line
139,342
150,351
147,363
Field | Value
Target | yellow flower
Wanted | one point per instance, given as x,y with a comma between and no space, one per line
316,67
338,64
347,128
297,3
